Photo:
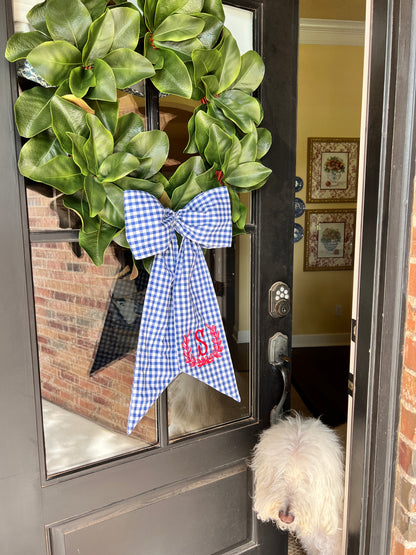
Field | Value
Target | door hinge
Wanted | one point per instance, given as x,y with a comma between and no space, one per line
353,329
350,384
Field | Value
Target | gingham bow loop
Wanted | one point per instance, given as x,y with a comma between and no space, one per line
181,328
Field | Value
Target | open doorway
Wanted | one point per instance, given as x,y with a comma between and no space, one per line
331,55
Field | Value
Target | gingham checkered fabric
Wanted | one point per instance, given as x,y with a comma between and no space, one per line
181,328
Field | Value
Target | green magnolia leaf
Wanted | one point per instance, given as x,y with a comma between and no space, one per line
116,166
226,124
251,72
219,142
131,183
100,39
36,16
95,7
67,117
113,211
236,205
54,60
183,48
68,21
247,176
203,123
32,111
121,240
78,142
229,69
248,148
129,67
205,62
106,112
20,45
241,108
185,193
38,161
178,27
264,142
99,144
128,126
149,13
208,180
211,86
126,28
105,83
153,145
165,8
80,80
194,165
212,30
191,147
214,7
152,53
95,194
79,204
95,243
232,156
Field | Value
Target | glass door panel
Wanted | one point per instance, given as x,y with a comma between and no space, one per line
87,322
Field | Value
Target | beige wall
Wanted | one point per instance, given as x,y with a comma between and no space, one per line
329,105
353,10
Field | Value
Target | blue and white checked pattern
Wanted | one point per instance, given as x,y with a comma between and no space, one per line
180,311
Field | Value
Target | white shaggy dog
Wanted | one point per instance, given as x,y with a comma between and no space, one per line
299,482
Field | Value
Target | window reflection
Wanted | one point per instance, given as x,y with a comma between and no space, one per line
87,326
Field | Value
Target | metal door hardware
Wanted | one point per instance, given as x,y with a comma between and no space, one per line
279,300
279,359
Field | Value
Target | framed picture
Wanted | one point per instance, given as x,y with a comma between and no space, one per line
332,170
329,239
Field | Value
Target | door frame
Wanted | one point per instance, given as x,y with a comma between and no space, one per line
388,173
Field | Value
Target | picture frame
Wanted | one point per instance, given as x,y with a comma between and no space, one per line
329,239
332,169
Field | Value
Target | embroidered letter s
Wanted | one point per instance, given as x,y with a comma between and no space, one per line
200,353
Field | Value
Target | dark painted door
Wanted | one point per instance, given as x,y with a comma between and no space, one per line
71,480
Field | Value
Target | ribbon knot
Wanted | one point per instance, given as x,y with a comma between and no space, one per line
181,327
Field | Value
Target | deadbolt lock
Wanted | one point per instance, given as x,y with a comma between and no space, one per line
279,300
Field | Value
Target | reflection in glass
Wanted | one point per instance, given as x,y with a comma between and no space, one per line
87,327
192,405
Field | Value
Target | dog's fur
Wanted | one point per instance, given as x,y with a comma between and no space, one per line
299,482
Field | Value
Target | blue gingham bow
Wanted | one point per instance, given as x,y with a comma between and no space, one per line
181,327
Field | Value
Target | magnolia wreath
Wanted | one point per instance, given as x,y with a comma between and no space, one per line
83,53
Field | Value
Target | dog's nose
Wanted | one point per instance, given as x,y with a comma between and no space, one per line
286,517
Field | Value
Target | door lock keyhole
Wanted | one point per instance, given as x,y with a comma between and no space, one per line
279,300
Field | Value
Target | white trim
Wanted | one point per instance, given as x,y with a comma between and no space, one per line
321,340
331,31
243,336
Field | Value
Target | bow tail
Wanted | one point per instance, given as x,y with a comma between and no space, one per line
155,365
202,347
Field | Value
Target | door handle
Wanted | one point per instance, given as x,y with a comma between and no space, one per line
279,359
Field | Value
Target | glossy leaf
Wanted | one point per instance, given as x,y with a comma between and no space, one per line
131,183
185,193
226,124
178,27
54,60
208,180
128,126
78,142
251,72
183,48
247,176
205,62
100,39
95,194
79,204
80,80
68,21
129,67
95,243
264,142
194,164
219,142
214,7
116,166
229,69
153,145
20,45
36,16
203,123
212,30
248,148
165,8
152,53
232,156
107,113
113,211
240,108
149,13
32,111
99,144
105,83
126,28
95,7
67,117
191,147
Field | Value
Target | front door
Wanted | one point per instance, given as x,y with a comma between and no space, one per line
72,481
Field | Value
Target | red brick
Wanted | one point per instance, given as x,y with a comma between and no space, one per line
405,455
409,387
412,280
